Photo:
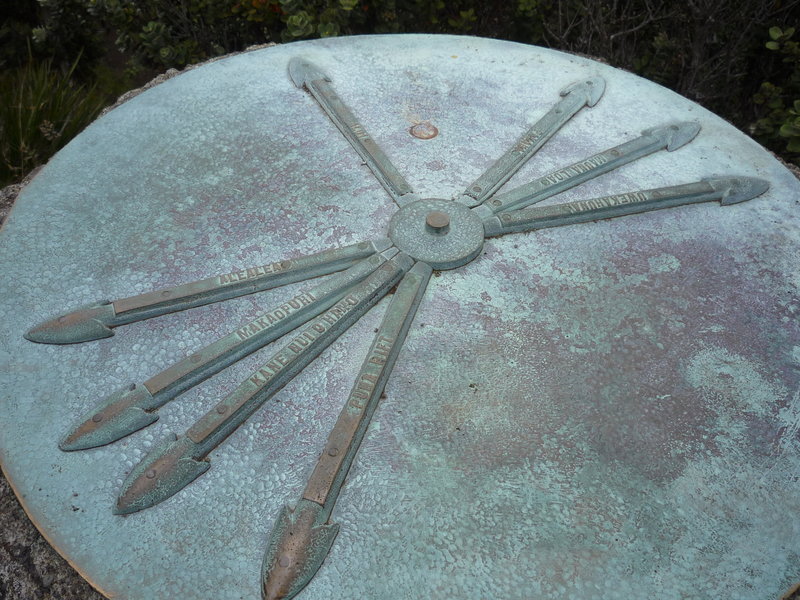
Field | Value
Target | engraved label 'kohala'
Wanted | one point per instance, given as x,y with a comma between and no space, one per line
576,169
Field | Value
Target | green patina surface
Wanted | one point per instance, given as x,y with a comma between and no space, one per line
606,410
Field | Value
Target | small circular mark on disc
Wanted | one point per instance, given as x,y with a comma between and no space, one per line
437,221
424,131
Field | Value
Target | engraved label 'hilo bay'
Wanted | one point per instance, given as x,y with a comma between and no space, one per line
368,378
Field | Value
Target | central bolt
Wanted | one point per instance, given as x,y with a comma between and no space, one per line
437,221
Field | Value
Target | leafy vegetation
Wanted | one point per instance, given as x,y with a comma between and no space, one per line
741,60
41,109
779,104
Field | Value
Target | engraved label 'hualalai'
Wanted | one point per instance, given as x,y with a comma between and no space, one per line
368,380
423,235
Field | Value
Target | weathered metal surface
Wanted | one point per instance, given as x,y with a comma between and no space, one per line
423,231
669,137
725,190
574,98
293,553
95,322
644,446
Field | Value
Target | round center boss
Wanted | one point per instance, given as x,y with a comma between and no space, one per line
442,233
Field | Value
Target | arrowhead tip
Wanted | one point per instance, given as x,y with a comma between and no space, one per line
738,189
592,89
303,72
674,135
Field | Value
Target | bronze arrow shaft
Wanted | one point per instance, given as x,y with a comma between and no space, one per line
123,412
242,282
726,190
344,440
302,536
575,97
375,158
168,468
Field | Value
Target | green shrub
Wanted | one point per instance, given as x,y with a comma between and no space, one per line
20,17
67,31
174,33
41,109
778,105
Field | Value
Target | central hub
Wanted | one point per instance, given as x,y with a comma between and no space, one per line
442,233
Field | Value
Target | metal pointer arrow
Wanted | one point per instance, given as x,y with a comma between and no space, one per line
307,76
171,466
97,321
669,137
574,97
133,407
302,536
725,190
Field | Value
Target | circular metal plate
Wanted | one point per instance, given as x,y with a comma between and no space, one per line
605,410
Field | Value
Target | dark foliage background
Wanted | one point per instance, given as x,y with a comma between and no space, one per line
62,60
